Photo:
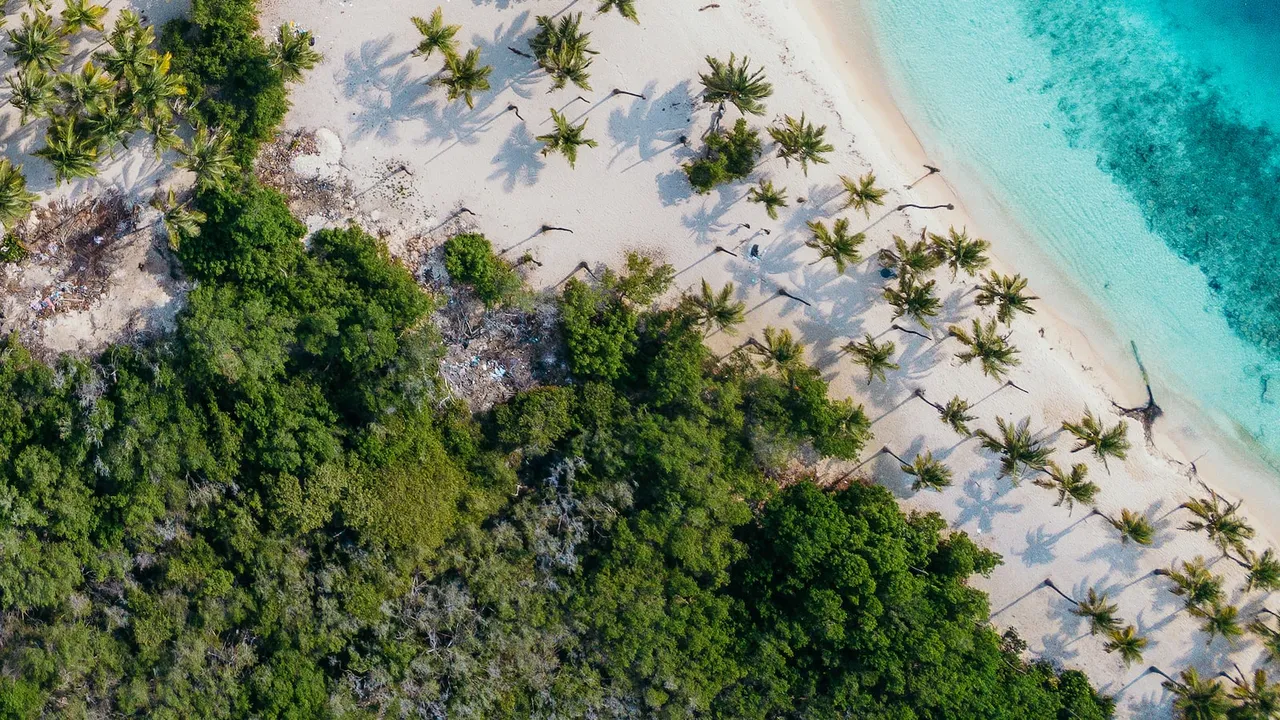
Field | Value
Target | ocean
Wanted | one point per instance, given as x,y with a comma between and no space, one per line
1134,146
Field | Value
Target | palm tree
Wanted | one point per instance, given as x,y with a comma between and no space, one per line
1264,570
913,300
914,259
180,221
1007,293
164,135
956,414
209,157
1194,583
566,138
1072,487
769,196
873,356
110,124
625,8
1220,521
464,76
88,90
71,151
1018,449
1091,433
960,252
1100,613
735,84
152,88
36,43
1219,620
292,52
15,199
862,193
1132,526
717,309
1269,638
81,14
563,50
928,472
836,245
1127,642
800,140
131,50
32,91
436,35
1196,698
1259,700
986,346
779,351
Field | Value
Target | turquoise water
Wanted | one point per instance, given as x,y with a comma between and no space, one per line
1134,143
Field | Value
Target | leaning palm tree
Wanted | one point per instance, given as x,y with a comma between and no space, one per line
1133,526
180,221
1007,293
836,244
956,415
1194,583
33,91
960,252
800,140
905,258
1099,611
766,194
1219,621
131,47
717,309
862,193
625,8
872,356
436,35
208,156
914,300
464,76
1220,520
779,351
292,53
1257,700
1019,450
1127,642
563,50
1264,570
992,351
1196,698
15,199
81,14
927,472
1268,636
71,150
1091,433
735,84
36,43
164,135
153,88
1072,487
566,138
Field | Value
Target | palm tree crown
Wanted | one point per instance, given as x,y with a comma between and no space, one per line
563,50
625,8
1196,698
736,84
873,356
1259,700
33,92
800,140
779,350
1100,612
1007,293
1219,621
81,14
15,199
464,76
1194,583
766,194
836,244
1019,450
436,35
1072,487
987,346
956,414
927,472
180,222
909,259
717,309
862,193
1132,526
960,252
1220,520
209,157
1264,570
1127,642
566,138
913,299
36,42
1091,433
292,53
70,149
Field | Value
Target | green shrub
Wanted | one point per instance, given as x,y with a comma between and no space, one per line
730,156
599,331
250,237
470,260
11,249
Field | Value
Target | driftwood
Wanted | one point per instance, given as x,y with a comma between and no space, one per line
1145,414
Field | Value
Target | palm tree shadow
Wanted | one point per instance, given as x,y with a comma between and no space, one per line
510,71
518,160
980,507
815,206
384,87
674,187
651,126
707,221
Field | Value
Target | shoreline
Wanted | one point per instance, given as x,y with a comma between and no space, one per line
1185,433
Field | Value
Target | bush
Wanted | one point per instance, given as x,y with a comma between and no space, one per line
250,237
599,332
470,260
227,68
730,156
11,249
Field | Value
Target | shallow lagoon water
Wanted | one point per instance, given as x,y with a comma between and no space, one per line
1132,144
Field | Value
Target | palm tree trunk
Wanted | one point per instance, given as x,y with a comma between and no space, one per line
931,170
619,91
1269,611
721,249
1049,584
895,326
783,292
512,107
885,449
1015,386
920,394
1163,674
549,228
904,206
